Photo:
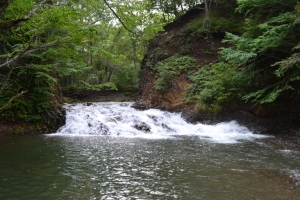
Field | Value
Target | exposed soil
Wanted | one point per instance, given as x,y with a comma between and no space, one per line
204,48
170,42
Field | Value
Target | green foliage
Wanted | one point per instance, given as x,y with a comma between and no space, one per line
157,55
18,8
171,67
223,24
103,87
125,78
266,7
221,20
160,54
217,85
262,46
261,65
31,106
289,65
83,86
79,40
195,28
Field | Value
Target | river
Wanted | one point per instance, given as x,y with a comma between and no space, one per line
111,151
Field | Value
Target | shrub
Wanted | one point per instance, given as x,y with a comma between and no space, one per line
171,67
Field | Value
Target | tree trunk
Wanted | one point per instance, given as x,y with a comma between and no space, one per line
206,22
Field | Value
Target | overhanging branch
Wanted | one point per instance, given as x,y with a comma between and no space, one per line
13,98
36,8
17,22
120,20
11,61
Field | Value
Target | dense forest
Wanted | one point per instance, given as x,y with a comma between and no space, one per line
99,45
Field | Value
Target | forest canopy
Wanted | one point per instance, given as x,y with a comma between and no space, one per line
99,45
88,44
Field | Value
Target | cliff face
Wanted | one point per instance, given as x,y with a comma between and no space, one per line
203,47
175,40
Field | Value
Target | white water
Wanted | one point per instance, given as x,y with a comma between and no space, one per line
120,120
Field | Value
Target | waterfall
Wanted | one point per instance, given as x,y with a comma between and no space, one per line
121,120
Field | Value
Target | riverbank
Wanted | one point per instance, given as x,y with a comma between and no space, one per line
100,96
256,125
22,128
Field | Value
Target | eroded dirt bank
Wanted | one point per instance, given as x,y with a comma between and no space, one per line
203,47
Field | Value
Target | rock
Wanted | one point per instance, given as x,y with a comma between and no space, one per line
167,127
103,129
142,126
139,105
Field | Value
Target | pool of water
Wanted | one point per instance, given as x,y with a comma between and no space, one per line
191,166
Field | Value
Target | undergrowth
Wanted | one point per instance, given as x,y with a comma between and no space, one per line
171,67
37,85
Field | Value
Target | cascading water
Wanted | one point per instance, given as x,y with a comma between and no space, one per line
120,119
129,154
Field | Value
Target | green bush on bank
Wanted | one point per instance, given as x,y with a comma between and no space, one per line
91,87
171,67
37,85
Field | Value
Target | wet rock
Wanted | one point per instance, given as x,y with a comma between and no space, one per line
167,128
295,181
103,129
154,118
190,115
142,126
140,105
89,104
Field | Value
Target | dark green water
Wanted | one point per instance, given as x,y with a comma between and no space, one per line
102,167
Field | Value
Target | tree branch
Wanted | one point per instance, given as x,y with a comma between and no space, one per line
26,52
17,22
120,20
36,8
13,98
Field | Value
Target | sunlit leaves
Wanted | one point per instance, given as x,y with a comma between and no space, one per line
18,8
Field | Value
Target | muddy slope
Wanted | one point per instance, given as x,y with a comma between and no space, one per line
204,48
175,40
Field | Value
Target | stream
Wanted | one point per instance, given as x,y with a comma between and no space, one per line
112,151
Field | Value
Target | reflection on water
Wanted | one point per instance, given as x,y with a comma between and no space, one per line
171,160
103,167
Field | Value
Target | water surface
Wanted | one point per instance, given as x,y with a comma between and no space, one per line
180,161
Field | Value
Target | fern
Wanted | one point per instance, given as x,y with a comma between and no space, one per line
287,64
171,67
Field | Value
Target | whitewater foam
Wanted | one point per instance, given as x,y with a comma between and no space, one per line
120,119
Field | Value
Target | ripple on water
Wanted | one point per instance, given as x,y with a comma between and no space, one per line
189,165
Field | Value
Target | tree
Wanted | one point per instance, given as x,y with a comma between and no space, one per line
11,59
260,65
